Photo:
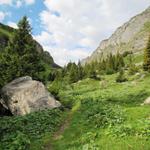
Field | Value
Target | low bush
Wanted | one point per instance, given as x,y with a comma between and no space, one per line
16,133
121,77
99,114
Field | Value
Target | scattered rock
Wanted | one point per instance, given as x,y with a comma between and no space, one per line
25,95
142,76
147,101
103,84
134,83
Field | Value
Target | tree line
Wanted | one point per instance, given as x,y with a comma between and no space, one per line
110,64
73,72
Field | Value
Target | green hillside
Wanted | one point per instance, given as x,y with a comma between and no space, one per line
6,34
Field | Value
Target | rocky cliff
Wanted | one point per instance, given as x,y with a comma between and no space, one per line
132,36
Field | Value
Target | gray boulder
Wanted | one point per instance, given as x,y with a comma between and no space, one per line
24,95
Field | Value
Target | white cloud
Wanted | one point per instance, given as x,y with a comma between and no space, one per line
63,56
44,38
12,24
5,2
18,3
29,2
2,16
71,26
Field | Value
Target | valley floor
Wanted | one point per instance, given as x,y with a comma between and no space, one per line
105,116
102,115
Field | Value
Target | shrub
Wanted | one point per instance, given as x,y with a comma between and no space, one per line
126,53
99,114
17,132
132,69
121,77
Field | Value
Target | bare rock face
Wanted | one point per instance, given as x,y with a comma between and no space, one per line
25,95
131,36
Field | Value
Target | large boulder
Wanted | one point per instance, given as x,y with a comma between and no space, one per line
24,95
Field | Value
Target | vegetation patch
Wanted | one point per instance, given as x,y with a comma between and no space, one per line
20,131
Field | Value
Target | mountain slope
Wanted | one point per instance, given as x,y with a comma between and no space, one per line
6,33
132,36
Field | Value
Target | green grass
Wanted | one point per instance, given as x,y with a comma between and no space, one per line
105,116
137,58
90,130
25,132
6,33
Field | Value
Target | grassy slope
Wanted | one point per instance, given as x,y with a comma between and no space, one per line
6,31
133,133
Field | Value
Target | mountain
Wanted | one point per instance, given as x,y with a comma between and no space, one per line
6,33
131,36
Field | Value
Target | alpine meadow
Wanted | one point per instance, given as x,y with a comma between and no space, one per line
57,92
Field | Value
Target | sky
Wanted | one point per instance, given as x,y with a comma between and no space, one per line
71,29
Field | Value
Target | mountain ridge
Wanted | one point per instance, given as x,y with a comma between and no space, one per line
131,36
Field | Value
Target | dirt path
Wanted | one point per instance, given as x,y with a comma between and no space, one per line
60,131
63,127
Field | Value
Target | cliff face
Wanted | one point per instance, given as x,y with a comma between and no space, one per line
132,36
6,33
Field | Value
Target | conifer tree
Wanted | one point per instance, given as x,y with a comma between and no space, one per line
20,57
91,73
119,61
80,71
73,73
121,77
22,44
110,64
132,67
146,64
8,67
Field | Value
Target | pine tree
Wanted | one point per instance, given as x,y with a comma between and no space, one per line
80,71
20,57
110,65
8,67
119,62
121,77
73,73
132,67
146,64
91,71
22,44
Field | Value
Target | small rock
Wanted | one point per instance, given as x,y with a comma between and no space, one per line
147,101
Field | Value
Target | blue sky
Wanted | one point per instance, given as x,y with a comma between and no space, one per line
71,29
14,13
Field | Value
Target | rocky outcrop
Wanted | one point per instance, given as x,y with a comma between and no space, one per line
132,36
25,95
